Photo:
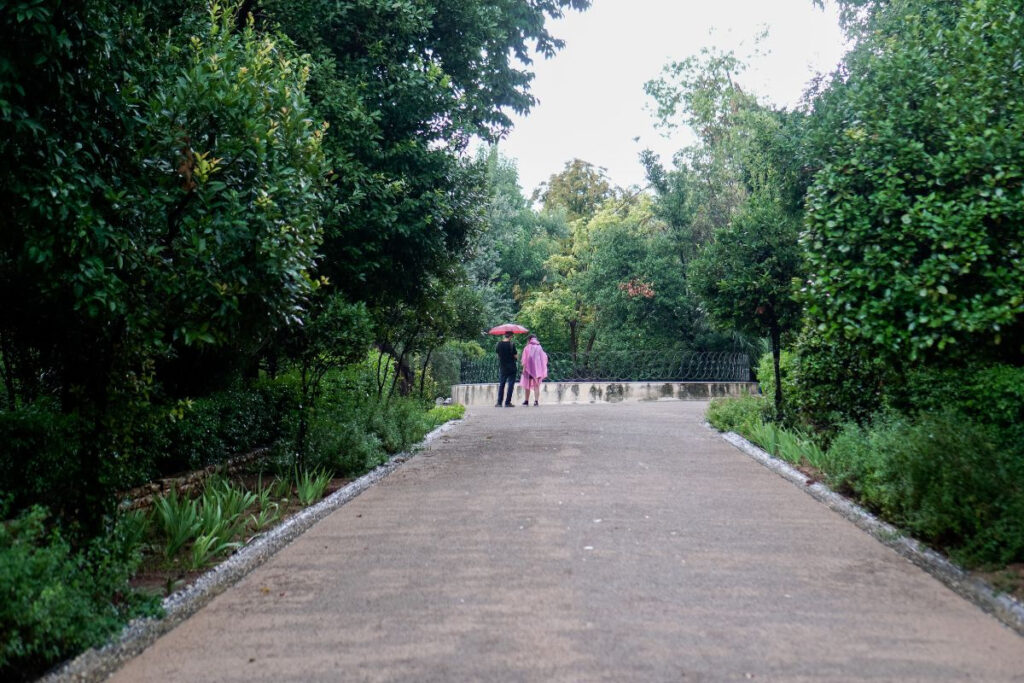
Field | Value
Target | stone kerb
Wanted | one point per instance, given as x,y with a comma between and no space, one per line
606,392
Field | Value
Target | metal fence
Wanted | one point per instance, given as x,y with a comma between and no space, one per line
625,367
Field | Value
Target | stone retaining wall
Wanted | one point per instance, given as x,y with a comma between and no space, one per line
606,392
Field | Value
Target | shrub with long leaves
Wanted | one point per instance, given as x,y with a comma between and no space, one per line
310,485
178,521
207,547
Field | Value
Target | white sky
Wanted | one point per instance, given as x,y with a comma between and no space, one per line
592,103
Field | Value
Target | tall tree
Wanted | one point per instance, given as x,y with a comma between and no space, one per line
579,189
161,182
404,86
745,275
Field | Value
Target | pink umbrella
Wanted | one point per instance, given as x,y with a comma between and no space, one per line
508,327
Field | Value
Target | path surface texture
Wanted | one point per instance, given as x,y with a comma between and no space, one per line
604,542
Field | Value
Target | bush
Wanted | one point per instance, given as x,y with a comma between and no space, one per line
342,446
446,363
55,601
400,424
943,477
993,394
832,383
736,414
212,429
39,460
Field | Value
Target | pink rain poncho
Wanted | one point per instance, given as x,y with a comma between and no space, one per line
535,365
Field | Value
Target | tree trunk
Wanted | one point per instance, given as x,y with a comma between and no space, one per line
573,341
776,338
7,363
423,371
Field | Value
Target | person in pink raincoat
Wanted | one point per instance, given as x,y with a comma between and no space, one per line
535,369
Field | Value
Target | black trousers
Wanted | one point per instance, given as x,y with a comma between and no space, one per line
506,376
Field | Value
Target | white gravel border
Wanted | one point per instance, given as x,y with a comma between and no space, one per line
99,663
1000,605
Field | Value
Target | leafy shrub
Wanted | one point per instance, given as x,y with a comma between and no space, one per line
736,414
993,394
39,461
446,363
56,601
212,429
941,476
310,485
832,383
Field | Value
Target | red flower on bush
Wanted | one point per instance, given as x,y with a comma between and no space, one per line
635,288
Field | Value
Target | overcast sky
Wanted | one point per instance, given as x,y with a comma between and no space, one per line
592,103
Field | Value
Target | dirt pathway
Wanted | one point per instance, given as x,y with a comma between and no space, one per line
585,543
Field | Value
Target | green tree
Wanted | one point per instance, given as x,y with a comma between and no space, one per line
509,253
636,281
914,219
579,189
744,277
162,182
404,94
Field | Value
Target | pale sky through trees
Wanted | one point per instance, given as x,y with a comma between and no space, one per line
592,103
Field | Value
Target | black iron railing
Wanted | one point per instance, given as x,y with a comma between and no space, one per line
626,367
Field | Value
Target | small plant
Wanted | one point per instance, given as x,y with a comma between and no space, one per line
310,486
266,516
792,446
133,526
263,494
207,547
281,489
224,504
178,521
213,522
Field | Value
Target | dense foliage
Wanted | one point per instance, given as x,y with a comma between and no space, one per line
906,372
914,219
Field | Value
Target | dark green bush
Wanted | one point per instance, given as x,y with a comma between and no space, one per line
56,601
212,429
39,461
400,424
990,393
945,478
832,383
342,446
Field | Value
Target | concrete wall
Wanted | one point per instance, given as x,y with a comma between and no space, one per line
605,392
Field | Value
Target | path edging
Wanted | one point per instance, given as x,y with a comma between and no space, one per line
1000,605
99,663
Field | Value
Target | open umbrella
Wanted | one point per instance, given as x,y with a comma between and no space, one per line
508,327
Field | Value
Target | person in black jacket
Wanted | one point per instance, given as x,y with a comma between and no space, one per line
506,351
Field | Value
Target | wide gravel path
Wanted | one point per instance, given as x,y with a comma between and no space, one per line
585,543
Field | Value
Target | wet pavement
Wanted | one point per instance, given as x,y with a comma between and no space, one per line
606,542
